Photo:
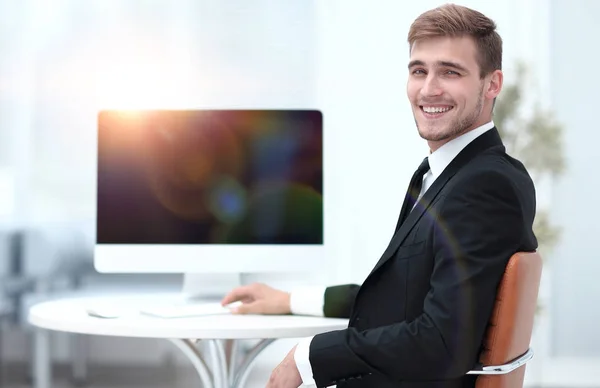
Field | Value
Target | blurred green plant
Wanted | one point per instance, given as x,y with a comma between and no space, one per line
536,140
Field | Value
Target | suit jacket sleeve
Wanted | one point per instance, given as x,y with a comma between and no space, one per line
478,228
339,300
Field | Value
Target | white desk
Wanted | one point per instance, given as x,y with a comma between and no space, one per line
220,332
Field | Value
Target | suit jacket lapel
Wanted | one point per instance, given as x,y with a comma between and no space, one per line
403,211
487,140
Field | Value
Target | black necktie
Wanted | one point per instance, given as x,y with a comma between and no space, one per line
414,189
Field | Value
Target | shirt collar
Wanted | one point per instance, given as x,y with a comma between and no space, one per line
441,158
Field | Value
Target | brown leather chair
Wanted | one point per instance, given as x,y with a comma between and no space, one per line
506,346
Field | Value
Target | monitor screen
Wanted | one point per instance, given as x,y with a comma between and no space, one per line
210,177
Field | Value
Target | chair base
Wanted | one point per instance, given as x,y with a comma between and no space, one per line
504,368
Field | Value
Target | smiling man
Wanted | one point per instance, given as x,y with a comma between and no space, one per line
419,318
454,76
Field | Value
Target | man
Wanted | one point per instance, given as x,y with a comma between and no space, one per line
419,318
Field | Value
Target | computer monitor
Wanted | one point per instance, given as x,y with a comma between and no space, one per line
209,191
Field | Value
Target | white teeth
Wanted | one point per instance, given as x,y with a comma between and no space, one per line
433,109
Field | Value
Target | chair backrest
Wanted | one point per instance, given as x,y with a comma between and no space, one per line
509,332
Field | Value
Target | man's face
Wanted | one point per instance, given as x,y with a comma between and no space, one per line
447,95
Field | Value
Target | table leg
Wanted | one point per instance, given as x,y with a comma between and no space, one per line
42,362
79,353
193,354
231,350
2,371
220,367
242,374
224,372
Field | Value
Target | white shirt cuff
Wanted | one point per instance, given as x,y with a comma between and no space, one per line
301,357
308,300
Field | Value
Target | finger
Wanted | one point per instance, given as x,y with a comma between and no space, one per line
272,383
244,308
237,294
248,308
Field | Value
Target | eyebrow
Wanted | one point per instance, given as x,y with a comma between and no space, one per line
454,65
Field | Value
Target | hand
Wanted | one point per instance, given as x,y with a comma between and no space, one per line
286,375
258,298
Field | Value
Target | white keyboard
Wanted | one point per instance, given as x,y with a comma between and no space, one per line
187,310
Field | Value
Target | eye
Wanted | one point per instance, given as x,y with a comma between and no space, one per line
418,71
452,72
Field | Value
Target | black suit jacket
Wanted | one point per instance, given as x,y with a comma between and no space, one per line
419,318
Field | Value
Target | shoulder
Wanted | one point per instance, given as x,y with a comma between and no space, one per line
493,171
491,195
489,182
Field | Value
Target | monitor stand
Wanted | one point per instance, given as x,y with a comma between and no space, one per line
211,287
201,295
214,286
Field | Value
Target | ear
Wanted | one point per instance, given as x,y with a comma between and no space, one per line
495,84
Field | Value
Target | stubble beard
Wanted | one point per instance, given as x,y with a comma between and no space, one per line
456,127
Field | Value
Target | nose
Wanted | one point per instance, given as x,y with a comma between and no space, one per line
431,87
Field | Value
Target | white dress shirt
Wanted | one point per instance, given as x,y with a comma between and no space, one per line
310,300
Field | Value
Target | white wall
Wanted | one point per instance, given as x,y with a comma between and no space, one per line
576,263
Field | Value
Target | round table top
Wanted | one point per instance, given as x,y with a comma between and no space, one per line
71,315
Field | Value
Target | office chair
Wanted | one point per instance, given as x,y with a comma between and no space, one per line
506,345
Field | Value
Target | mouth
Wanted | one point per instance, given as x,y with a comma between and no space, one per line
435,112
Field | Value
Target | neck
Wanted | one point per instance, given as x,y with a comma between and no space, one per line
436,144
